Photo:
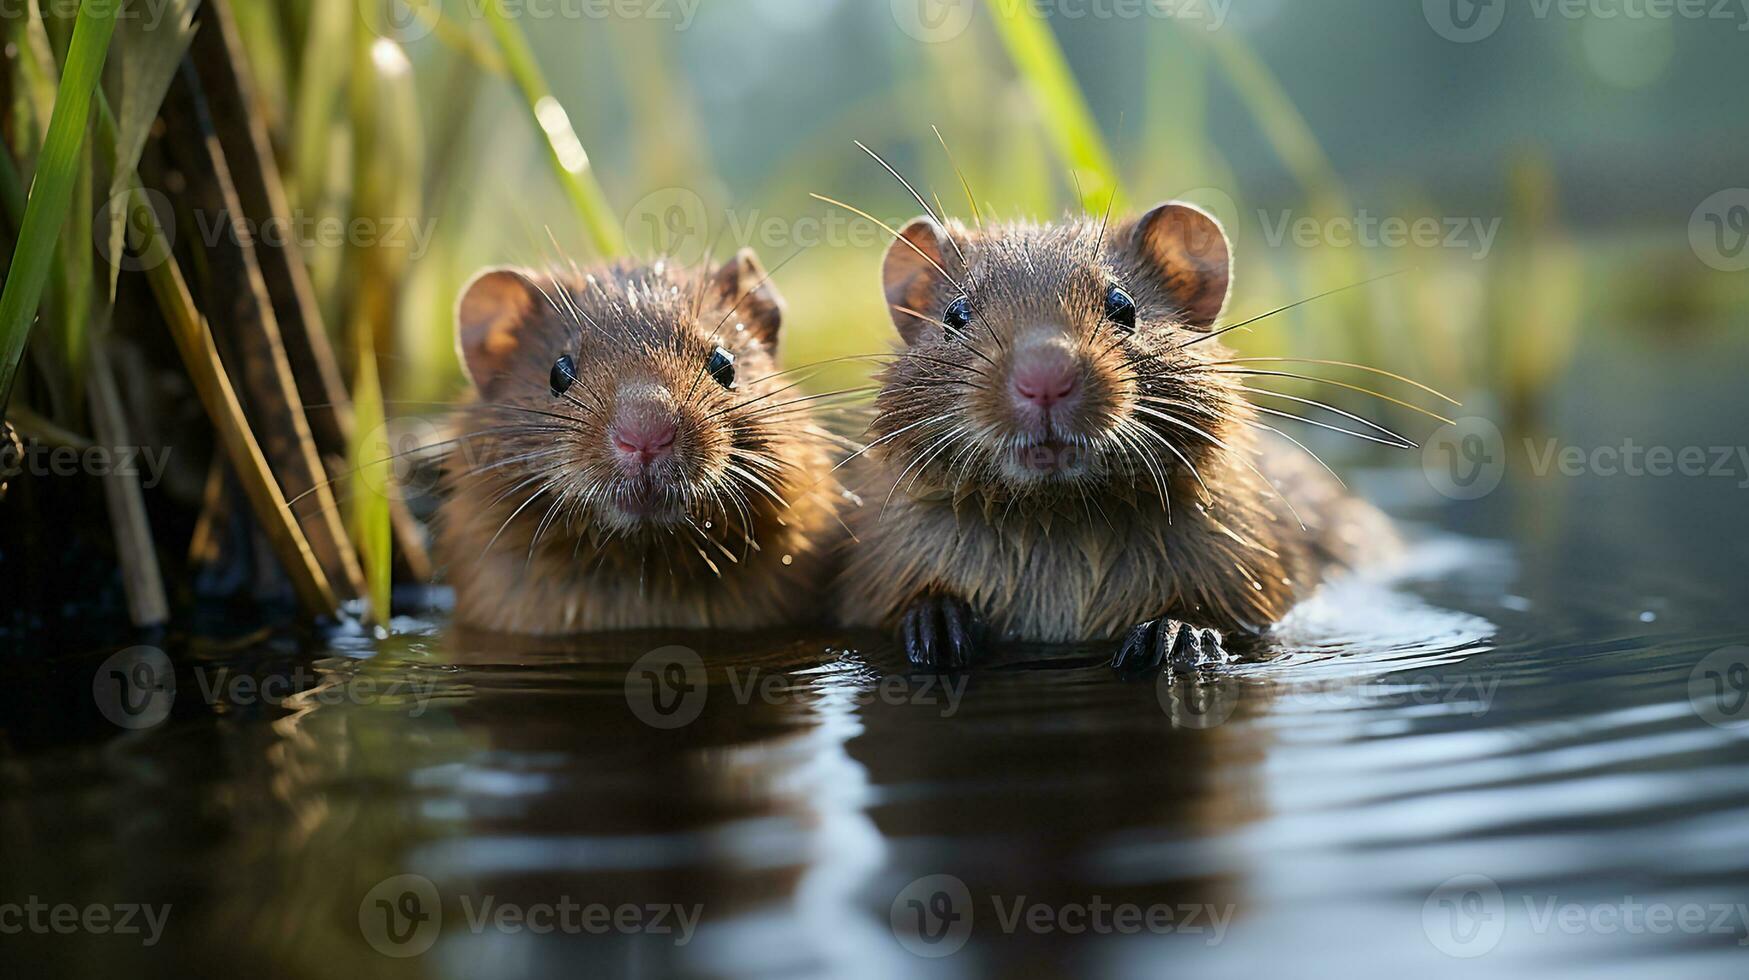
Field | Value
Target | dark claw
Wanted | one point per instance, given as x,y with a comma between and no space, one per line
940,633
1170,644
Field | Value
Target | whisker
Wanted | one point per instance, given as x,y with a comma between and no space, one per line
896,237
1270,428
1263,316
1252,372
1241,457
1333,428
938,219
1348,364
1350,416
977,215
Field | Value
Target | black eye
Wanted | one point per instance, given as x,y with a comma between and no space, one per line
564,375
1120,309
721,365
958,315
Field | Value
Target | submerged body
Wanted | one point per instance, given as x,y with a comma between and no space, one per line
633,459
1063,452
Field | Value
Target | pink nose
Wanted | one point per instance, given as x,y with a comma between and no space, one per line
643,438
1044,376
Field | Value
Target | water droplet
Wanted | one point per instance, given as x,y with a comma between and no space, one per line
788,559
1648,616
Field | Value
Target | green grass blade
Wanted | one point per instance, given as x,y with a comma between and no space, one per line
1068,120
149,57
51,191
570,160
372,482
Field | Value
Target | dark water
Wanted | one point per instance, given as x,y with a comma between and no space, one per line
1524,753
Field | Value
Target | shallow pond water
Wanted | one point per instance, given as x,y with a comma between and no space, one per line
1523,752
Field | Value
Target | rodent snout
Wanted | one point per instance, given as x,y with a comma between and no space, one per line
642,434
1044,375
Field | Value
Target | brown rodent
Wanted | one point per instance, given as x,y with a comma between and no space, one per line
1059,453
635,458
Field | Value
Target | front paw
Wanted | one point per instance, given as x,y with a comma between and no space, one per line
1169,644
939,632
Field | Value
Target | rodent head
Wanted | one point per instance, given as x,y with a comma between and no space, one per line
628,399
1053,358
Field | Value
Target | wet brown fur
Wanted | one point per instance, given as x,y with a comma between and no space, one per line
1138,535
524,530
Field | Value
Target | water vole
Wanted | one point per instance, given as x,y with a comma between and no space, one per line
635,457
1063,451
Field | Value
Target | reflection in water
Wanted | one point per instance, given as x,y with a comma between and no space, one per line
448,804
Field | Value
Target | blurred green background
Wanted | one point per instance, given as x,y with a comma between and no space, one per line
1561,158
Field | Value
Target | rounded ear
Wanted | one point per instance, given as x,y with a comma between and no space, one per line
743,285
1187,252
489,319
912,273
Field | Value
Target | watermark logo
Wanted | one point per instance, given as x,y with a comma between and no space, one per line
932,916
1633,460
402,916
673,222
150,221
33,915
1718,687
1465,916
1465,460
933,21
1196,702
401,21
1464,21
666,688
40,461
135,688
1365,229
1719,230
1467,21
392,454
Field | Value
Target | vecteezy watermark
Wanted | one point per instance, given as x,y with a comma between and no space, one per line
1630,459
1364,229
1718,231
403,916
667,688
149,13
404,21
1465,460
1468,21
675,222
1196,702
938,21
1207,702
1718,687
301,230
33,915
40,461
933,917
135,688
1468,458
1467,916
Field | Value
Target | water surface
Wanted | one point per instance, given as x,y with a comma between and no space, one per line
1509,755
